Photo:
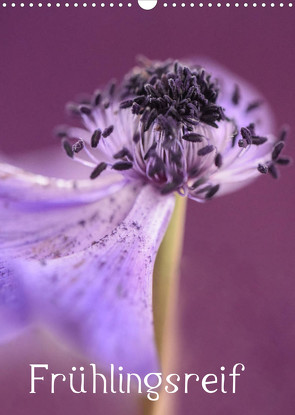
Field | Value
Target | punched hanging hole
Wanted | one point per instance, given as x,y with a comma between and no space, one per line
147,4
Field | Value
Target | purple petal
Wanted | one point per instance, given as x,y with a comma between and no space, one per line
27,191
43,217
100,299
46,218
14,315
82,267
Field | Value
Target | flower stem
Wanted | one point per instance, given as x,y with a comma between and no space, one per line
165,291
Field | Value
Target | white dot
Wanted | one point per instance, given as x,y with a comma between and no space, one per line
102,4
12,4
74,368
4,5
76,5
254,4
84,4
31,4
111,4
40,4
218,4
67,4
263,5
209,4
182,4
49,5
227,4
290,4
93,4
165,4
129,5
57,4
174,5
201,4
192,4
120,5
22,5
237,4
281,4
245,4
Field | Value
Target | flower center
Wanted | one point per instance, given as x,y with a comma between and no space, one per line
163,124
175,92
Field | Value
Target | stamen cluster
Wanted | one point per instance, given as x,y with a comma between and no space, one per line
165,124
172,90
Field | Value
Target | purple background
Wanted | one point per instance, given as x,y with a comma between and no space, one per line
237,288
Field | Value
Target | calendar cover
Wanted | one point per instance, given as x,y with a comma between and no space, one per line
147,207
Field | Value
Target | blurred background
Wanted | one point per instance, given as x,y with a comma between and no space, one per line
237,296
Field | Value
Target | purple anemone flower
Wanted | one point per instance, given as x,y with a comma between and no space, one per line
77,256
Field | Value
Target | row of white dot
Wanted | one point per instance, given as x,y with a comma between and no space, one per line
65,4
130,4
229,4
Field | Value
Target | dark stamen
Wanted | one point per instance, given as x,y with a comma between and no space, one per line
198,183
68,148
98,170
112,88
284,161
205,150
108,131
136,138
61,131
258,140
235,134
273,171
73,109
97,98
123,153
176,157
253,105
283,134
157,167
262,168
247,138
277,150
218,160
150,151
212,191
251,128
85,110
122,165
236,97
95,138
246,134
193,137
78,146
126,104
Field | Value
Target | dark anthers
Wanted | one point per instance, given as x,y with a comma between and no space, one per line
176,116
276,158
174,91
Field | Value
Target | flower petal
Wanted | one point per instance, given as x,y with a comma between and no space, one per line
44,218
100,298
14,315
